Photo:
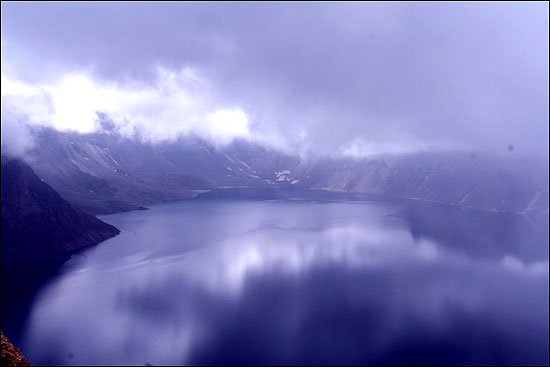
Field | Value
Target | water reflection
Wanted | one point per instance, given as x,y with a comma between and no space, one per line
314,281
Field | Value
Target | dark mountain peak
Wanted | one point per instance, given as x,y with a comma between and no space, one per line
37,223
23,191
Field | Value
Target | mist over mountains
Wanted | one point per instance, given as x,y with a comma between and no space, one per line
412,100
106,172
383,77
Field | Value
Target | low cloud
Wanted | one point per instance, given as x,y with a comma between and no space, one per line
177,103
16,138
397,144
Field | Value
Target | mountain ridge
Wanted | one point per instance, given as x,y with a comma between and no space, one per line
105,172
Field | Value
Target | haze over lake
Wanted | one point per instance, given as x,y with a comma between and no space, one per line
299,276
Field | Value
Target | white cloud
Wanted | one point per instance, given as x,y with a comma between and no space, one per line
225,124
75,101
177,103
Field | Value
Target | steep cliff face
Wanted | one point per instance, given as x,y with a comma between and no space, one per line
37,224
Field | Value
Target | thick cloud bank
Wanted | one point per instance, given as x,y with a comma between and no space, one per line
352,79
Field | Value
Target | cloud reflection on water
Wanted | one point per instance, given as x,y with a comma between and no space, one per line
282,282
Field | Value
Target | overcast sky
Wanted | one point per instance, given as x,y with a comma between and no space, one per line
352,78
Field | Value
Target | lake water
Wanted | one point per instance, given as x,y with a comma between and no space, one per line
242,276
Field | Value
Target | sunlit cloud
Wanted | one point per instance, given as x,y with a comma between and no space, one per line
177,103
227,123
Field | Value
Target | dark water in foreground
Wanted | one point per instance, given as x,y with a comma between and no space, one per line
275,277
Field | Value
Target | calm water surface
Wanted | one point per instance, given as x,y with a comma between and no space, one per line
278,277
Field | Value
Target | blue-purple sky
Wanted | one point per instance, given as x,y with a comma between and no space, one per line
336,78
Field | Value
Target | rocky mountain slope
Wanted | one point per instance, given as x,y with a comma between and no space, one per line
105,172
460,178
11,356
